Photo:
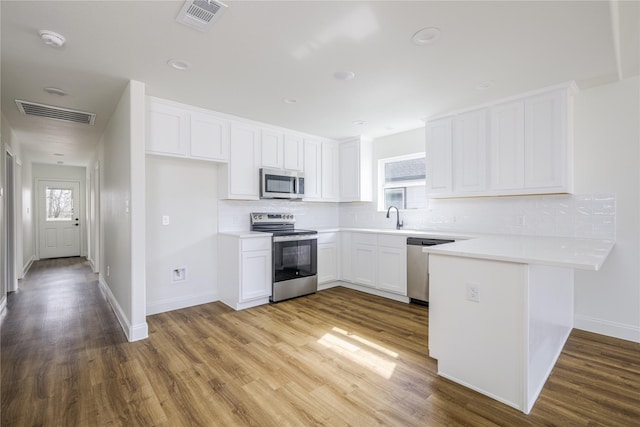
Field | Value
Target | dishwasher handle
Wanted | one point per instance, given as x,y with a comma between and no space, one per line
421,241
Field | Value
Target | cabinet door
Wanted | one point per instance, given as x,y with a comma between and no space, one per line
330,171
327,262
346,246
167,129
312,169
349,171
392,269
364,264
243,162
469,152
438,156
256,275
272,149
209,137
506,146
545,139
293,152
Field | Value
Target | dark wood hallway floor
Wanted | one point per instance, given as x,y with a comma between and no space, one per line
335,358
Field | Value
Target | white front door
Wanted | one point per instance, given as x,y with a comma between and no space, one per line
59,218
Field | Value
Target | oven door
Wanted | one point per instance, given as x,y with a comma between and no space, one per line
294,257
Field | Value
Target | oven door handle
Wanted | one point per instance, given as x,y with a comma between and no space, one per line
294,238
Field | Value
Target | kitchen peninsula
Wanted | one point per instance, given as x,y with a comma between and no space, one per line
501,310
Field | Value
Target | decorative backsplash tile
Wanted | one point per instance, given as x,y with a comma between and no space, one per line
563,215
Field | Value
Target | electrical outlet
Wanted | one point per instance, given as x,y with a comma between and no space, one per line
108,270
473,292
179,274
165,220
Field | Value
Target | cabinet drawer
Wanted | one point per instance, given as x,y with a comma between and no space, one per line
364,239
255,244
392,241
327,238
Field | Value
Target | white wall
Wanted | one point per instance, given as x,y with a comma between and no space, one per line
28,215
122,207
40,172
186,192
607,159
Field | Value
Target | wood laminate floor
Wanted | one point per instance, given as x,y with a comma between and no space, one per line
335,358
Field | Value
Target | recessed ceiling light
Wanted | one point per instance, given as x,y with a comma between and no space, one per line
484,85
426,36
55,91
179,64
289,100
51,38
357,122
344,75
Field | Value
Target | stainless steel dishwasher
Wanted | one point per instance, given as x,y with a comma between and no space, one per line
418,268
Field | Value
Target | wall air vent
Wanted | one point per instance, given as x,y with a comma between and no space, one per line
200,14
55,113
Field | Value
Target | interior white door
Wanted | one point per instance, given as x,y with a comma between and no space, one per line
59,219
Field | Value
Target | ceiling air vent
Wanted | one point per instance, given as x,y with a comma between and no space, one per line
200,14
55,113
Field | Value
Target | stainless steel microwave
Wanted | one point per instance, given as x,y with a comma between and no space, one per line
281,184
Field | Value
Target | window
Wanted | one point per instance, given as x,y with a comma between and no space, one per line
59,204
402,182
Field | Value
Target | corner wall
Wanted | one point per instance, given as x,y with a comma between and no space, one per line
122,211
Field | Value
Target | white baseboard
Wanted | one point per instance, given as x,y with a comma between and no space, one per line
372,291
177,303
608,328
26,268
92,265
328,285
133,332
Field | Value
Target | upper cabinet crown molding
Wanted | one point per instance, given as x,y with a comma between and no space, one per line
520,145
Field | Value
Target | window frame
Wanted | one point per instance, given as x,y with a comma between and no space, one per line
382,186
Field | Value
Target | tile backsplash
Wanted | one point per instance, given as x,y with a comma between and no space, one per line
564,215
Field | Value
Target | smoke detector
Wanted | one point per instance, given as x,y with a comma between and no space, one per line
200,14
51,38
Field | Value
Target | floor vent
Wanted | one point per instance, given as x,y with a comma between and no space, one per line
55,113
200,14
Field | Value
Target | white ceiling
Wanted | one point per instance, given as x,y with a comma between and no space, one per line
261,52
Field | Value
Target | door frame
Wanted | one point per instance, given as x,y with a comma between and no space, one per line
10,277
40,208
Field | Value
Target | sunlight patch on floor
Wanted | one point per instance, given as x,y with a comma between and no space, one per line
368,354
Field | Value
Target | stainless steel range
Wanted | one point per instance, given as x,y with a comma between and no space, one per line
294,254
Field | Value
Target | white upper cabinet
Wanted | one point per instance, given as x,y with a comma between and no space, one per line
469,152
272,149
209,137
312,169
239,179
182,131
507,146
282,150
356,171
321,170
293,152
439,138
167,129
330,171
546,130
519,146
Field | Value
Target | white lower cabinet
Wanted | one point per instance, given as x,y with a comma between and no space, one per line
378,261
392,264
328,257
245,270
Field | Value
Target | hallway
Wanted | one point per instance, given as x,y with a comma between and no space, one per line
50,337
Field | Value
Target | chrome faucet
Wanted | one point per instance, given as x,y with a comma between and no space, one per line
398,222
